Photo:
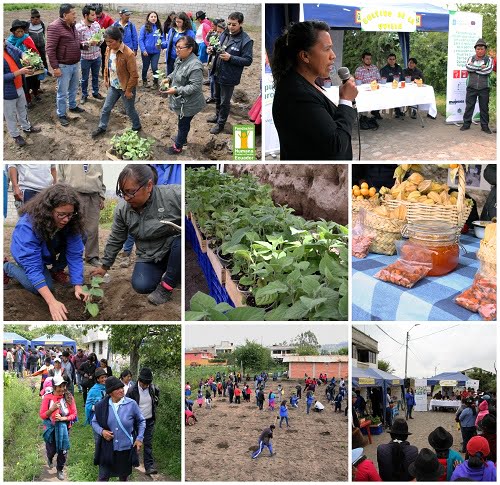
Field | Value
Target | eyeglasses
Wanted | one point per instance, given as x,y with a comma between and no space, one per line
179,48
65,215
129,195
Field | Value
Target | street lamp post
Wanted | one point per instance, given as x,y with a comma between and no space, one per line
406,354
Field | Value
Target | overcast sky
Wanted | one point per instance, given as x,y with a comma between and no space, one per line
452,349
266,334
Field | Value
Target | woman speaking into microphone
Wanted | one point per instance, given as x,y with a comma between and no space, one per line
309,125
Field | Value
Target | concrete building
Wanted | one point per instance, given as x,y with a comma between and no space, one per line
196,357
313,365
278,352
97,342
364,350
217,350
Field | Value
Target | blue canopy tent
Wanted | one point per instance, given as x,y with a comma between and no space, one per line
14,339
448,376
57,340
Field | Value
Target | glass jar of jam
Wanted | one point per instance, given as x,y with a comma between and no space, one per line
432,242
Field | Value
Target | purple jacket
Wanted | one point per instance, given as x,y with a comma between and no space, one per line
484,474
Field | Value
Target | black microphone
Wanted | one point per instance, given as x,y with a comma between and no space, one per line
345,75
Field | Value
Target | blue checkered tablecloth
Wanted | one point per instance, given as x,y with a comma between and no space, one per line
432,298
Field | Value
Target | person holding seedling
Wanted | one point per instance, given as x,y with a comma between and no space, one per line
49,232
150,41
152,214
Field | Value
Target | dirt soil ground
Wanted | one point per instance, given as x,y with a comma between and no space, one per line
314,448
194,278
120,301
74,142
405,139
420,426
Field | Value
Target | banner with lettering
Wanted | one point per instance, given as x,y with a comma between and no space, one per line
387,19
420,395
464,30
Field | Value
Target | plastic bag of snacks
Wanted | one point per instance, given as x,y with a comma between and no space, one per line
362,237
404,272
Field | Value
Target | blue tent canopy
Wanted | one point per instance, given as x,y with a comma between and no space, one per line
14,338
448,376
55,340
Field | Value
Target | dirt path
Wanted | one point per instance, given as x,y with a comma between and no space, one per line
314,448
74,142
120,301
405,139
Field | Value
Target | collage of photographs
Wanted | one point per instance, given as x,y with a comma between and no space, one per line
324,175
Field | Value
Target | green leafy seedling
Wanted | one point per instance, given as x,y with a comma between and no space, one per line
93,291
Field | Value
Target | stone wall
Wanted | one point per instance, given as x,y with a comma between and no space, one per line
251,12
314,191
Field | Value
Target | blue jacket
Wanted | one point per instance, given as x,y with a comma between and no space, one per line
131,418
310,399
294,400
33,255
129,35
240,46
410,399
147,40
168,174
97,393
283,412
9,89
171,38
467,418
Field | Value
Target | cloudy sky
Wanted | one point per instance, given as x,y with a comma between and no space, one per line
265,334
454,347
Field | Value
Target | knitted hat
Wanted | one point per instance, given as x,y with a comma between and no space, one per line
426,468
478,444
112,384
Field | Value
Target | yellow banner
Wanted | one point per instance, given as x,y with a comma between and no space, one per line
448,383
388,19
366,380
395,382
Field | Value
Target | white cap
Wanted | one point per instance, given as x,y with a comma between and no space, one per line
58,380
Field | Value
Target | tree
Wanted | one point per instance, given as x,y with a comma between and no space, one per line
253,356
21,329
306,343
343,351
385,365
487,380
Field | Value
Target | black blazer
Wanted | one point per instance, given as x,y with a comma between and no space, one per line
310,126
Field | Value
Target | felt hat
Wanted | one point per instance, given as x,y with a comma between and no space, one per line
478,444
18,24
426,468
440,439
357,454
488,424
480,42
399,426
100,372
145,375
200,14
112,384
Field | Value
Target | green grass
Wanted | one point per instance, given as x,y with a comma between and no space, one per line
194,374
21,431
441,105
28,6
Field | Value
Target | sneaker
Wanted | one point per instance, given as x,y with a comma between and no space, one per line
98,132
213,119
210,100
20,141
173,139
160,296
125,261
33,129
98,96
63,120
84,99
465,127
50,464
486,130
94,262
217,129
60,475
173,150
151,471
60,276
77,109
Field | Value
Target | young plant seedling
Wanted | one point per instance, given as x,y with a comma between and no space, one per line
93,291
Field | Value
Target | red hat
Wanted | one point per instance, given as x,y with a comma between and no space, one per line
478,444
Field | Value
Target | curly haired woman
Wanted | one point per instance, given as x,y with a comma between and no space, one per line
49,233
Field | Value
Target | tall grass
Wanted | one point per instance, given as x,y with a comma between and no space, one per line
8,7
21,431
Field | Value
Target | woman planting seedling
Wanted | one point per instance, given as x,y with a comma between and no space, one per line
49,232
147,213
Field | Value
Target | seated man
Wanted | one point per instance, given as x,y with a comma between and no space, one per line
318,407
368,73
392,71
415,73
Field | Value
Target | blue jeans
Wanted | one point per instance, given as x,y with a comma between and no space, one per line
149,60
129,244
283,418
183,127
111,99
146,276
28,194
202,53
308,407
67,87
170,65
211,77
87,67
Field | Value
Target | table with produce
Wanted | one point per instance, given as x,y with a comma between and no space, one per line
261,261
410,260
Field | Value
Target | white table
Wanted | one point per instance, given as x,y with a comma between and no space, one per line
386,97
443,404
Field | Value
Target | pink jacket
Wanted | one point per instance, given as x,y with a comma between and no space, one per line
483,411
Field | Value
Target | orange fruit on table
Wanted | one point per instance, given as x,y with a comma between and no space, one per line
365,191
356,192
372,191
454,165
354,187
364,185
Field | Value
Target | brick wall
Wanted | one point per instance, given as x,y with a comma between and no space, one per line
197,358
297,370
11,209
251,12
